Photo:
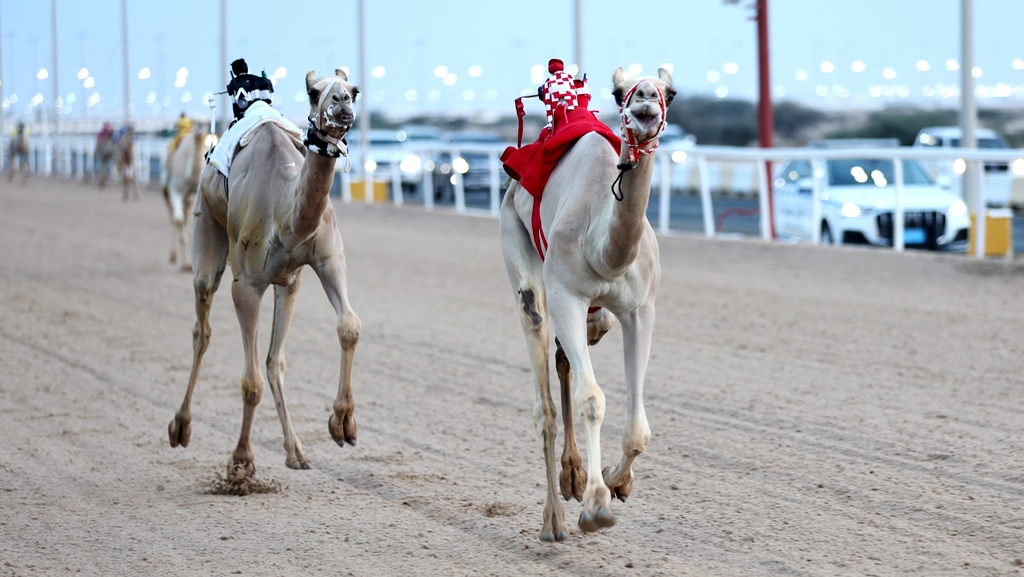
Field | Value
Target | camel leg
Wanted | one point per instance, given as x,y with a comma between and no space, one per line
175,233
569,317
573,478
210,257
185,238
333,277
284,306
523,266
637,329
247,308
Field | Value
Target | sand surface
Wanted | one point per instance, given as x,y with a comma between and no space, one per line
814,411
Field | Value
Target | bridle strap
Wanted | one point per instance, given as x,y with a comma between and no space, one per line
635,147
318,136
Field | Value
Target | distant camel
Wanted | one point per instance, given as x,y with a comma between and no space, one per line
19,154
184,165
124,159
103,156
271,217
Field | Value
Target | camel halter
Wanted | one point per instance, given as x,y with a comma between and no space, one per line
635,148
318,139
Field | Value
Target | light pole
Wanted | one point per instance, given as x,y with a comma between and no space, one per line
126,74
969,125
58,103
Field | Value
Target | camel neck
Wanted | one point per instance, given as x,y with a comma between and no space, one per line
629,214
313,193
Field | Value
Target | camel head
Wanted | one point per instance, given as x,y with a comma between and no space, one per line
332,108
643,103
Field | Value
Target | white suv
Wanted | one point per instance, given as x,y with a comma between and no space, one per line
998,175
858,200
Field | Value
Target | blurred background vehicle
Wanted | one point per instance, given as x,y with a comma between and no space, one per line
999,176
676,142
858,200
408,150
471,156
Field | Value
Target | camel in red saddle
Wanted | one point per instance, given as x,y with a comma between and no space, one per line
600,252
184,165
277,218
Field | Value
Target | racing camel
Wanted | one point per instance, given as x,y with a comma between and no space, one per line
185,161
19,154
124,160
277,219
601,252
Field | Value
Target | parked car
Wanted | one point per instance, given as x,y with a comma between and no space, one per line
998,175
408,149
673,147
858,200
472,163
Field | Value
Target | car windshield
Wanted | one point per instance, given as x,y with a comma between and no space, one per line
982,143
873,172
475,139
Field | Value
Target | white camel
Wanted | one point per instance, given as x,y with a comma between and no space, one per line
277,218
184,164
602,252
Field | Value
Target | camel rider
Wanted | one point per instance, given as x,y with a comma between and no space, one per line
106,133
245,88
182,127
250,101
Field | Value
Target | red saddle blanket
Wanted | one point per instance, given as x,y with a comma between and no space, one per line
532,164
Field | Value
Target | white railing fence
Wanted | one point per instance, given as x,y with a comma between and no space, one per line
72,156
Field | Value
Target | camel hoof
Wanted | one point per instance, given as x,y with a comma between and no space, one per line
623,489
342,429
593,521
549,535
572,480
240,471
295,459
179,431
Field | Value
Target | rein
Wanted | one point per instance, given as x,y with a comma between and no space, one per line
635,149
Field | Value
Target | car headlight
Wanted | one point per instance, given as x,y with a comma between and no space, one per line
958,208
850,210
1018,167
410,164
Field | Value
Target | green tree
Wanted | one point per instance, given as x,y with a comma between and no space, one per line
712,120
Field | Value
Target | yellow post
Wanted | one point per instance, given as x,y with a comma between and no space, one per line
998,232
378,190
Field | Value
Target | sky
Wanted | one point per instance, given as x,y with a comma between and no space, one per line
453,57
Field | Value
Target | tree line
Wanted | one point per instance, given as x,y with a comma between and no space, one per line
733,122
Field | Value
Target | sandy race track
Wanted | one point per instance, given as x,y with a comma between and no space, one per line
814,411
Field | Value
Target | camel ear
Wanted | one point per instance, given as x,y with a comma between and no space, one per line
665,76
341,74
355,93
314,95
618,77
670,92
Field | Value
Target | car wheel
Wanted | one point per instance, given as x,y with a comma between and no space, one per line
826,234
